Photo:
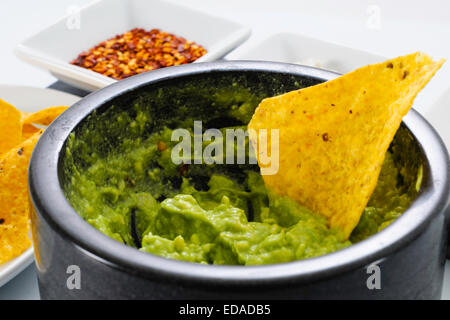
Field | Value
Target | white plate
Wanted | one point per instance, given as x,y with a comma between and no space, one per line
31,100
57,45
301,49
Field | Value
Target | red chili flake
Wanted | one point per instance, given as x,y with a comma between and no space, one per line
138,51
162,146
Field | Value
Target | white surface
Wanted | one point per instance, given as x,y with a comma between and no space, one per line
301,49
31,100
439,116
50,48
404,26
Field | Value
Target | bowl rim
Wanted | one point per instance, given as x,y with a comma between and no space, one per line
50,203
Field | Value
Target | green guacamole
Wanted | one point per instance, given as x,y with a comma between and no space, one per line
119,176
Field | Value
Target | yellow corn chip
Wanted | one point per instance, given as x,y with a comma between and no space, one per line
333,136
28,130
15,207
24,115
10,127
44,117
18,137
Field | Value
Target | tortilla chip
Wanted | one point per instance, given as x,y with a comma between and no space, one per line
15,207
24,115
44,117
18,137
10,127
333,136
28,130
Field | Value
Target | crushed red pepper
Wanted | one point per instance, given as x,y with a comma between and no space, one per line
162,146
138,51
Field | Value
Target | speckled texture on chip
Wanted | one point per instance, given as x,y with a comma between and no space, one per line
15,207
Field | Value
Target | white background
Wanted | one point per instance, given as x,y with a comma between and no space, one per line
404,27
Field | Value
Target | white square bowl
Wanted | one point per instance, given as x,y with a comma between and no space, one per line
300,49
54,47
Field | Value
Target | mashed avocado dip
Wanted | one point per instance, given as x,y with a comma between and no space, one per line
120,177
